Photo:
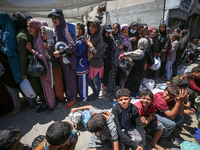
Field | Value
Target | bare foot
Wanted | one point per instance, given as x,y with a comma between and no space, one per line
14,112
158,147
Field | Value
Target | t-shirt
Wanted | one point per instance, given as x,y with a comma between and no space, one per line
103,139
160,103
42,145
151,108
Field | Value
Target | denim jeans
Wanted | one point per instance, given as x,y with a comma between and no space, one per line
168,124
95,84
169,69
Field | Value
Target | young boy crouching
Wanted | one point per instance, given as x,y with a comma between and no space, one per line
147,109
127,119
102,127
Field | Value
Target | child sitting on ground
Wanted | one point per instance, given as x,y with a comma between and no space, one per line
187,76
195,84
10,140
127,119
147,109
59,136
102,127
170,108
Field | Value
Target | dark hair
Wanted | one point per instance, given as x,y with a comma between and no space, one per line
196,69
146,92
183,83
96,123
58,133
172,89
176,36
178,30
8,138
189,75
123,92
192,94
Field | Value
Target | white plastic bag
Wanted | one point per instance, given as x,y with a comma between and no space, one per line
156,65
75,117
27,89
148,83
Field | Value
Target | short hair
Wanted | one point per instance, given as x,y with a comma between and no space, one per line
172,89
8,138
176,36
192,94
178,30
58,133
96,123
183,83
196,69
123,92
189,75
146,92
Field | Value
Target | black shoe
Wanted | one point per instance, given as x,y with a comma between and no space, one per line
42,108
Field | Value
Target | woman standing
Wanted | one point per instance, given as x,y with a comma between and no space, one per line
68,69
33,27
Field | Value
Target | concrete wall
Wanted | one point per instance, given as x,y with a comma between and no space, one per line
149,12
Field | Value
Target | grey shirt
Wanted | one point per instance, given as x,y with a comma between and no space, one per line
108,135
171,54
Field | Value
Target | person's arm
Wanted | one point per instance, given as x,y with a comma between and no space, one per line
149,119
23,55
125,139
193,86
72,144
177,108
81,108
50,56
115,145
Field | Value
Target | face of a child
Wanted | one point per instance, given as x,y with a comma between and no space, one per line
92,28
145,100
124,102
125,32
140,30
134,27
43,34
154,33
31,28
162,28
172,38
17,145
167,97
79,31
196,75
115,29
55,20
107,34
144,32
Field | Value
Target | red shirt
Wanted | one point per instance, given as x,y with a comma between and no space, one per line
151,108
194,86
159,102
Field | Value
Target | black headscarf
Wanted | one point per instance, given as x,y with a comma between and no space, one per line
20,21
163,34
82,28
155,42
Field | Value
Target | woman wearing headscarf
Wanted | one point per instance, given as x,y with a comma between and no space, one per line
95,55
33,27
116,47
47,35
23,37
82,64
133,34
154,51
68,68
164,40
140,58
106,31
9,58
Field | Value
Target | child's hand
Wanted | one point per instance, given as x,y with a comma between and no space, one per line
143,119
139,148
73,110
87,41
56,54
133,39
182,95
120,47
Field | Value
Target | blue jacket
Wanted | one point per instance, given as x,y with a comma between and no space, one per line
8,36
81,53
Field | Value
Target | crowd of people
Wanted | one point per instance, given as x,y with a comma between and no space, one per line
94,57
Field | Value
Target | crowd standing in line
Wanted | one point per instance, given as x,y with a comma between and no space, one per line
94,58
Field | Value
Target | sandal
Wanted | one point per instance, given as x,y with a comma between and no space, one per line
70,104
49,111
